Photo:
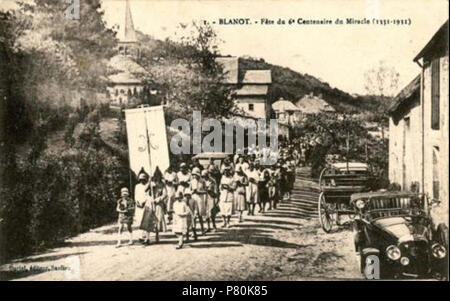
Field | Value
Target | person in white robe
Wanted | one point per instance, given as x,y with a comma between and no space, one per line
252,191
181,212
141,197
227,188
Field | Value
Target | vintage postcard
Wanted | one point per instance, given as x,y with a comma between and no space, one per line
236,140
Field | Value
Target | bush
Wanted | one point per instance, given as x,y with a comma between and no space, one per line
59,196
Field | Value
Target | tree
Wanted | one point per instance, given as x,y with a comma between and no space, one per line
382,81
186,73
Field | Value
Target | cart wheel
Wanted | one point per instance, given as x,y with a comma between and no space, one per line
325,218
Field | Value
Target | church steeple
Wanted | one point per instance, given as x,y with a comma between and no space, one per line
130,34
127,35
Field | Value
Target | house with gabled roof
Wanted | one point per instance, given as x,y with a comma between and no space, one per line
313,104
251,98
419,128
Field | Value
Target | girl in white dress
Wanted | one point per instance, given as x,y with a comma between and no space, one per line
198,189
227,188
181,212
241,182
252,192
171,181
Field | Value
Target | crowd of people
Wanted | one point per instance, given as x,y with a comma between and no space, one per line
189,195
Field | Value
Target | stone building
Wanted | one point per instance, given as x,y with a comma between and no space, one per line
251,98
419,126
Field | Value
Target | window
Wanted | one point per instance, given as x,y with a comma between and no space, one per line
251,107
435,94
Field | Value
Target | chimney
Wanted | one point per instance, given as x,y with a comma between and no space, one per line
311,94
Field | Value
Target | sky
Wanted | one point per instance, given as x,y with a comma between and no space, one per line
337,54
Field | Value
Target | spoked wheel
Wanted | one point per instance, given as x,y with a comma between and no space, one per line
326,220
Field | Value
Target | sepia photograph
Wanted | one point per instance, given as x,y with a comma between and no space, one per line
233,141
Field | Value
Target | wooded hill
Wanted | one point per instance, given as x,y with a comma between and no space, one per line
287,83
292,85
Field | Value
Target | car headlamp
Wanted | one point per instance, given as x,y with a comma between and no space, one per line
404,261
438,251
393,252
360,204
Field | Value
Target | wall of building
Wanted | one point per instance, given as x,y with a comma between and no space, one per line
405,149
259,106
436,142
288,117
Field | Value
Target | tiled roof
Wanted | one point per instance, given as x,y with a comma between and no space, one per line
124,64
439,42
310,104
284,105
230,67
257,77
405,94
247,90
123,78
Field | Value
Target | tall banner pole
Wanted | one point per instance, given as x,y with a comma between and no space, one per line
149,154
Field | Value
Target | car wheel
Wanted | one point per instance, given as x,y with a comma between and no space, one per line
367,271
442,238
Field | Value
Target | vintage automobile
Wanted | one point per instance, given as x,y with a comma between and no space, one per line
337,182
397,228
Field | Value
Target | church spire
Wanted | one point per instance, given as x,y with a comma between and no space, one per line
129,33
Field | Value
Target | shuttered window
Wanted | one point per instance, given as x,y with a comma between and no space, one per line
435,94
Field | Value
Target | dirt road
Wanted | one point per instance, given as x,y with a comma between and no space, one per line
284,244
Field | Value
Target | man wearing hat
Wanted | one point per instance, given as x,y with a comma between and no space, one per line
125,208
141,196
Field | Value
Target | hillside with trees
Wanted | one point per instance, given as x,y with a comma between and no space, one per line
287,83
293,85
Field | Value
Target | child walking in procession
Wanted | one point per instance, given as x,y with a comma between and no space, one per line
211,199
125,208
227,188
192,204
181,212
241,182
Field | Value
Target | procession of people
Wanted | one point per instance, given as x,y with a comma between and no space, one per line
187,196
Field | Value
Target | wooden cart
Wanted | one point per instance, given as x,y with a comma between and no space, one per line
337,183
